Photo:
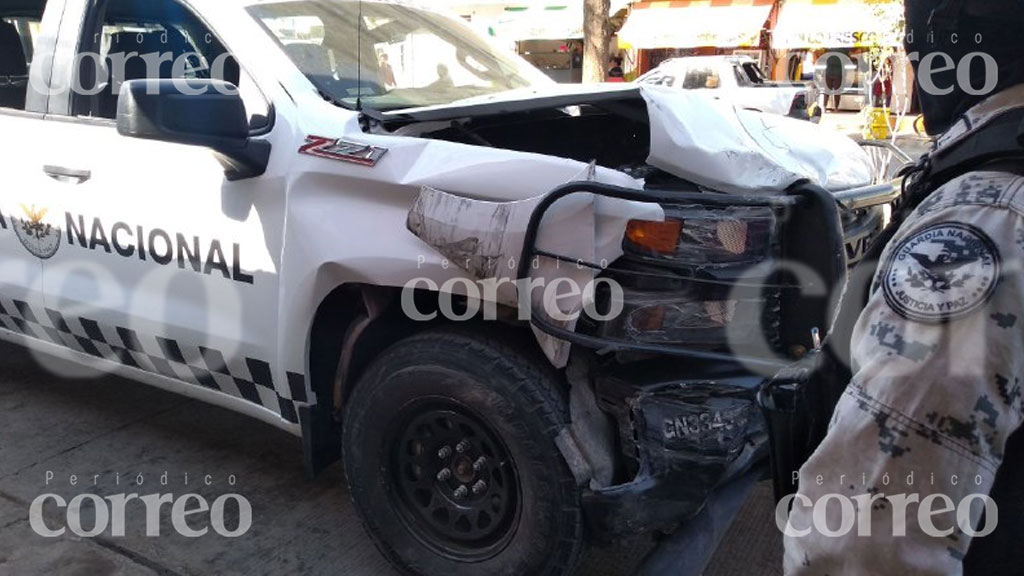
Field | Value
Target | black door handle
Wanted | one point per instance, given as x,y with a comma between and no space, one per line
67,175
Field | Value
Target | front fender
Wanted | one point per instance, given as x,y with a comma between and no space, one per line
487,240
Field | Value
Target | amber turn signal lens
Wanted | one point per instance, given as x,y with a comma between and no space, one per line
661,237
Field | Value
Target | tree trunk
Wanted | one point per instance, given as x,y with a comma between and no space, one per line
596,34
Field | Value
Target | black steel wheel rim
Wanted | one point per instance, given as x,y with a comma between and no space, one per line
452,479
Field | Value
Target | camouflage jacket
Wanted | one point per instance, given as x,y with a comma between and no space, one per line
904,478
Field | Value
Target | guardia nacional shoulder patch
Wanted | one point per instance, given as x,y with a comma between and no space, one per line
941,273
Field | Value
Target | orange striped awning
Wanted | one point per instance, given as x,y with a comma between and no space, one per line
696,23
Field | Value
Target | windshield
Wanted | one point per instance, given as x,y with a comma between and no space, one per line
406,58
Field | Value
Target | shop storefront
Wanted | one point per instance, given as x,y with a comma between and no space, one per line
855,34
549,37
656,31
548,33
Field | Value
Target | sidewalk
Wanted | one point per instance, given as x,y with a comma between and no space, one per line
852,124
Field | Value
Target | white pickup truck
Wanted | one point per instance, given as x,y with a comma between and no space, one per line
738,80
313,212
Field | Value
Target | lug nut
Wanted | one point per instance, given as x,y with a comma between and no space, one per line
444,453
461,447
461,492
480,487
444,475
479,464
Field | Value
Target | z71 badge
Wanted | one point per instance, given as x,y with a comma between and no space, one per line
343,150
943,272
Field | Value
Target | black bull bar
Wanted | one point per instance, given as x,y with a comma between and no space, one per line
811,234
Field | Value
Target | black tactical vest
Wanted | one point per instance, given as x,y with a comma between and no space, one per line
1002,552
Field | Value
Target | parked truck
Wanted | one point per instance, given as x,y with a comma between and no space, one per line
738,79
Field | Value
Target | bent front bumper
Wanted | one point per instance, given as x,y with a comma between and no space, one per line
685,439
687,414
689,422
684,403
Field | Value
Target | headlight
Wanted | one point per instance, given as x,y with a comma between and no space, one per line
701,236
678,278
681,318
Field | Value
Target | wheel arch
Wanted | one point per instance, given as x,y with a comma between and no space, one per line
353,324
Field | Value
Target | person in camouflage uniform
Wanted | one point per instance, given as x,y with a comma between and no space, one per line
924,437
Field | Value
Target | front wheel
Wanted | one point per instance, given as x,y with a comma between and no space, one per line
450,458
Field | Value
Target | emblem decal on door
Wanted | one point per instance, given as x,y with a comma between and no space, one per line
39,237
343,150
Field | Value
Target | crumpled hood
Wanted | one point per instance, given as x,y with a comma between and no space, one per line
700,138
714,144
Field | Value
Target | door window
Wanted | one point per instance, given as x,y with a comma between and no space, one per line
700,78
18,31
155,40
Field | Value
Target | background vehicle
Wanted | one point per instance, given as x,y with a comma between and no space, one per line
738,80
299,249
856,80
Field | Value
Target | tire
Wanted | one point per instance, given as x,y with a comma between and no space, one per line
508,406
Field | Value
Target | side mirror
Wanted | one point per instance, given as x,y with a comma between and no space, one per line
195,112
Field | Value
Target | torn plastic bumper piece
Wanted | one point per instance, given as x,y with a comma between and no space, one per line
687,438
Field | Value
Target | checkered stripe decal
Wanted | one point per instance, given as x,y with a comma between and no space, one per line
246,378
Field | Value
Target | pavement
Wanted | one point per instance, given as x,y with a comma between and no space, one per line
904,136
106,431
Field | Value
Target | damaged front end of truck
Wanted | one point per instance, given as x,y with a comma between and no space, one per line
668,302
